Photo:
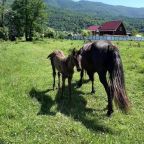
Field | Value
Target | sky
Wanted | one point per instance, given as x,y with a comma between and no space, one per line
129,3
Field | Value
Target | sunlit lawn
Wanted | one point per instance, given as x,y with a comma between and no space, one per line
29,112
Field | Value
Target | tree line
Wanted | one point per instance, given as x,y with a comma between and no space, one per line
34,19
22,18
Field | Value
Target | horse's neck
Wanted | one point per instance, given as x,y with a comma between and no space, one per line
70,64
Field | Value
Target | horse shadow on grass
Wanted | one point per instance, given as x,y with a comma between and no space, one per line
76,108
44,99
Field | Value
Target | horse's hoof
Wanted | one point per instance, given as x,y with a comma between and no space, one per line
79,84
93,92
109,113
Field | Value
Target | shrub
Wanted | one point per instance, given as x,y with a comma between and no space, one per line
61,35
85,33
50,33
4,33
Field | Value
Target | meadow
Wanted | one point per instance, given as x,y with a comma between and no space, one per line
31,114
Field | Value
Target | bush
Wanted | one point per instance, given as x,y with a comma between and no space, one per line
4,33
85,33
134,32
37,36
61,35
50,33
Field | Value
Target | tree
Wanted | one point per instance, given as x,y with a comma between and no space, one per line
3,28
85,33
134,32
32,16
2,10
14,25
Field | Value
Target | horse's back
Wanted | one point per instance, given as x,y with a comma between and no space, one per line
101,45
56,53
58,60
96,56
59,53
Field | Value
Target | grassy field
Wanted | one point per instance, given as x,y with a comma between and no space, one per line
29,113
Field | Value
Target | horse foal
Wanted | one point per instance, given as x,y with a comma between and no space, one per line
65,66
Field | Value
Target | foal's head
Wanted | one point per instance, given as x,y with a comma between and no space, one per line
76,58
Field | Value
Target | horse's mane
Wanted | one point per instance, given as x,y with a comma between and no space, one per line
58,53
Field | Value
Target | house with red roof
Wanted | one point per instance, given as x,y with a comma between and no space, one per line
93,29
112,28
109,28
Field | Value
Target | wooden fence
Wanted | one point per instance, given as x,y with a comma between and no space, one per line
111,38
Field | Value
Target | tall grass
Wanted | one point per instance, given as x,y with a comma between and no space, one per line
29,112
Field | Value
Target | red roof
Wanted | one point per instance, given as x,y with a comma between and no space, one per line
110,26
93,28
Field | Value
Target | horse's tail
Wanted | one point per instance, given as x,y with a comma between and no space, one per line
117,82
50,56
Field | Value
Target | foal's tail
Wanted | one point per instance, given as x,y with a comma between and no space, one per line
50,56
117,82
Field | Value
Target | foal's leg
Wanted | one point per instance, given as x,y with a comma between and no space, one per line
63,85
58,80
69,86
81,77
54,75
91,76
102,77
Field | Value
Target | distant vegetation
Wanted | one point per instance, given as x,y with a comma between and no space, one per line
97,8
68,20
77,15
64,17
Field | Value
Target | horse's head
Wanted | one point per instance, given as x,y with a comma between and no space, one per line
77,59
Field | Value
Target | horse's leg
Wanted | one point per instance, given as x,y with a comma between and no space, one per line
81,77
54,75
91,76
63,85
102,77
58,80
69,85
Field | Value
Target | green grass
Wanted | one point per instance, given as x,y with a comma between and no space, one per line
29,113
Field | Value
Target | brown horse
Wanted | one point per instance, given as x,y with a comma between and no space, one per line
102,57
65,66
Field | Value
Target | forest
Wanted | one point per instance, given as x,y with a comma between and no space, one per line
37,18
73,21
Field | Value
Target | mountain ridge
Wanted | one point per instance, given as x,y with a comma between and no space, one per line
97,8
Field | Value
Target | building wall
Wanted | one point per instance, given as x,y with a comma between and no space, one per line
121,30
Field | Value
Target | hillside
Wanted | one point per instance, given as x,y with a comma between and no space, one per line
68,20
67,15
97,8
